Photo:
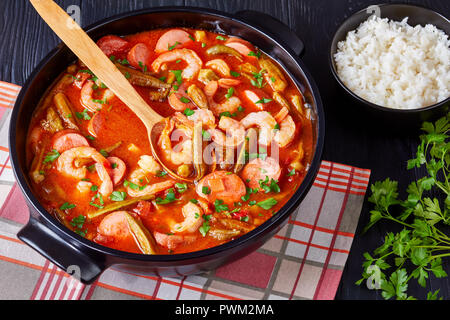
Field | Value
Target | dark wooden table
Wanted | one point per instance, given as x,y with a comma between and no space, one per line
25,40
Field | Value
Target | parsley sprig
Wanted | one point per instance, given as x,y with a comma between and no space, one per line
416,252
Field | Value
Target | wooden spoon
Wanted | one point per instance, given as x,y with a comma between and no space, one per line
87,51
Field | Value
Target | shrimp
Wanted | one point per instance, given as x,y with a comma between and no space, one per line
190,57
258,170
86,97
230,105
65,165
205,116
221,185
286,133
235,133
193,219
266,124
175,155
137,176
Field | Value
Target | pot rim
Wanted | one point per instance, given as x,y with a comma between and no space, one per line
266,227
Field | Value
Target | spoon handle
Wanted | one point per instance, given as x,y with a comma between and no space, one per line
91,55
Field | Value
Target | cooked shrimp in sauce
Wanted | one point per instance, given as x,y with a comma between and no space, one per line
236,133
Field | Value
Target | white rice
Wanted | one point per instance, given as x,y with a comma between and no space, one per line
395,65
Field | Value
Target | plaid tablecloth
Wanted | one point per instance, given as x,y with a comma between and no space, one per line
303,261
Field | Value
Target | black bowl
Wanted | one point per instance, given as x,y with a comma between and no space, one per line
400,119
68,250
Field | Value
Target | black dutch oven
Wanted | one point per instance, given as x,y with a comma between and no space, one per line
70,251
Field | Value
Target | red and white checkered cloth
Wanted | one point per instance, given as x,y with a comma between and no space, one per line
303,261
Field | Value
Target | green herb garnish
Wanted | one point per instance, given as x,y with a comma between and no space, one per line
264,100
185,100
118,196
177,74
229,93
219,206
83,115
170,197
173,47
67,206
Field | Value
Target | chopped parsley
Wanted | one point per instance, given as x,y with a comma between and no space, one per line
104,153
78,223
227,114
67,206
291,173
206,135
245,218
235,74
142,66
205,226
130,184
206,190
100,199
161,173
118,196
259,79
267,204
51,156
221,38
255,54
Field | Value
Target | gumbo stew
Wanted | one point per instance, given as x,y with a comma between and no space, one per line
235,144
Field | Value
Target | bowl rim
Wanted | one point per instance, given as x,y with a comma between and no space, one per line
268,226
332,64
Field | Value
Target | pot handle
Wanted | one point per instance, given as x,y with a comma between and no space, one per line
275,27
61,252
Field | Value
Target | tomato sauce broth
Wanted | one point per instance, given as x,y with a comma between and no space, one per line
118,130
